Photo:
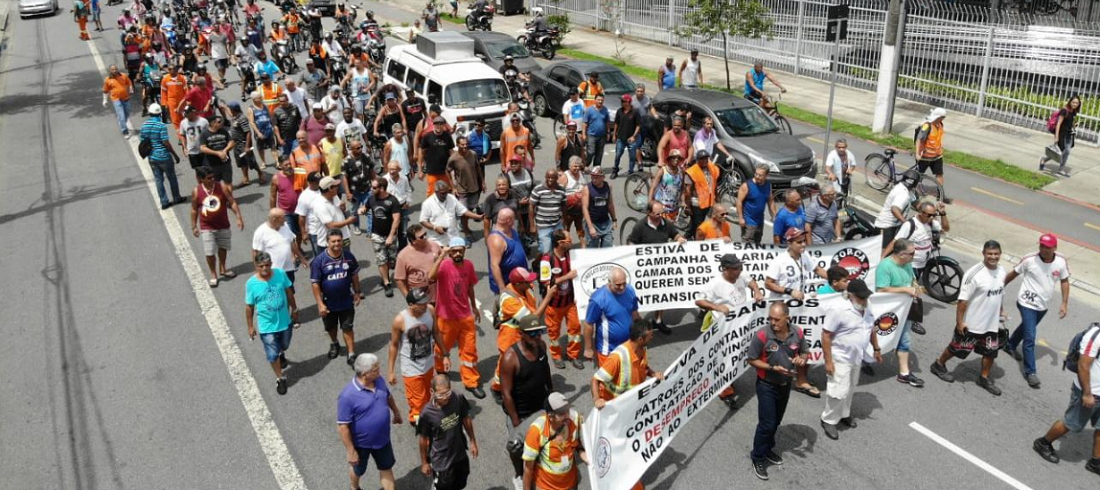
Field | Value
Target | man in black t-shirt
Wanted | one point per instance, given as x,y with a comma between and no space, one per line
385,213
443,427
413,107
435,150
287,119
627,134
216,144
654,228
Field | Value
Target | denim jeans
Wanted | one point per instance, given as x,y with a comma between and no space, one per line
289,145
162,169
594,146
360,199
1025,332
545,243
122,113
771,403
631,154
605,236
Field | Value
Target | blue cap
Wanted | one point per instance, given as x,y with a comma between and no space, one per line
235,105
458,242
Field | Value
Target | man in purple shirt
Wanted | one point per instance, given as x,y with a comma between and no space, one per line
362,419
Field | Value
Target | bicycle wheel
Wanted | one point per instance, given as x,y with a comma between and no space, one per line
625,228
559,127
942,279
879,171
929,186
784,124
636,191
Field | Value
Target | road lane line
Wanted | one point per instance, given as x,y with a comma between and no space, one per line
996,196
271,440
815,140
1090,225
1014,483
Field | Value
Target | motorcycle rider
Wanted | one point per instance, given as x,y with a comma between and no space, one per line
509,68
336,54
150,81
478,10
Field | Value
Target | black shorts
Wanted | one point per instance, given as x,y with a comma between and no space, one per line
265,143
344,319
221,64
985,344
196,161
936,164
453,478
247,160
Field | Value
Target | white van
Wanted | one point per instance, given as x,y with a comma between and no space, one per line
442,69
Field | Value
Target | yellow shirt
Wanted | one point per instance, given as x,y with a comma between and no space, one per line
334,155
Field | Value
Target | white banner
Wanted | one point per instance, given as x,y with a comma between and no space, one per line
634,429
674,275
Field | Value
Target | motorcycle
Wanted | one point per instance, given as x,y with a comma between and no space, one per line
483,22
541,42
283,57
856,223
247,77
942,275
529,122
377,52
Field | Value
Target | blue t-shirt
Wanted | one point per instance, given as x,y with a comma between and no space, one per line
825,289
618,311
597,120
335,276
268,67
366,413
785,220
157,133
480,144
269,298
756,202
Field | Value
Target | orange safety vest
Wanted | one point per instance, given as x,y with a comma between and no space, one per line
305,164
712,231
704,191
589,98
933,145
291,23
271,96
277,35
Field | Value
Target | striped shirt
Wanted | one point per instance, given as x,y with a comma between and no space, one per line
157,133
548,205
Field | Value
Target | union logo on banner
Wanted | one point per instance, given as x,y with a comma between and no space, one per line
603,457
853,260
596,276
886,323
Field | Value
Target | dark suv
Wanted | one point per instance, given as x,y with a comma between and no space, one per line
745,130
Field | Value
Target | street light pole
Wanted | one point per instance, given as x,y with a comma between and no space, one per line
889,61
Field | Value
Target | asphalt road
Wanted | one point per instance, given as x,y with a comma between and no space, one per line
113,380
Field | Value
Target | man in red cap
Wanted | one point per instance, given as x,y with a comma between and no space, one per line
1040,272
627,126
516,301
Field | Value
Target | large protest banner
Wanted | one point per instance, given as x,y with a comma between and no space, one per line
673,275
632,431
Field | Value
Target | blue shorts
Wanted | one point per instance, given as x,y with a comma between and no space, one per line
383,459
1077,416
903,337
276,343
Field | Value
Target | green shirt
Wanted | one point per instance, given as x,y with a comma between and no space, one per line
889,274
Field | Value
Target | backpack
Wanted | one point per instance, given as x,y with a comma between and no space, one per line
1074,354
916,132
1052,121
145,147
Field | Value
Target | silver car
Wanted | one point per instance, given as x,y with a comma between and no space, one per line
28,8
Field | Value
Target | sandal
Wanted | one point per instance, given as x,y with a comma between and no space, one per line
809,390
213,283
229,274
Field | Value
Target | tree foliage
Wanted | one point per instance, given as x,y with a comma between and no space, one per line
711,19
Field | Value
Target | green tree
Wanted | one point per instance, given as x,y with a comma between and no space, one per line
710,19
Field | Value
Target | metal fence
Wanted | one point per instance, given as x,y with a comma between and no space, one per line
996,64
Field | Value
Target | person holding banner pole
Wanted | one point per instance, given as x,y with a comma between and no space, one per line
844,338
654,229
775,352
787,276
895,275
614,308
726,291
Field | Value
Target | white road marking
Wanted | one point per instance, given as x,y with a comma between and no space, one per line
1014,483
271,440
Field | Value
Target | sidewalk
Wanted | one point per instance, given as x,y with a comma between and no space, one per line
980,137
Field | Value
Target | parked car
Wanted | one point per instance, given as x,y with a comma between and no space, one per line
550,86
492,47
28,8
745,130
327,7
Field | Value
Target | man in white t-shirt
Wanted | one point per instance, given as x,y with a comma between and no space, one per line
573,108
297,96
893,210
328,214
1040,272
844,338
398,185
978,317
792,274
439,214
1084,404
219,52
930,218
275,238
726,291
304,210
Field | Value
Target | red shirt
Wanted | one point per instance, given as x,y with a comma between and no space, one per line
199,98
453,284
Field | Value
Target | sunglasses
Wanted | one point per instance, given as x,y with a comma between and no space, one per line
420,236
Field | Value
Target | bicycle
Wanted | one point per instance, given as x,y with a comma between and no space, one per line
882,173
942,275
636,188
682,222
770,105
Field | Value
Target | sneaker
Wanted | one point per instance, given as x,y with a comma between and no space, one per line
760,470
1042,164
282,361
355,230
661,327
911,379
351,358
1093,465
517,483
989,386
731,403
577,363
1046,450
774,458
1062,173
1014,353
867,370
615,175
918,328
941,372
388,288
559,363
333,350
830,430
1032,380
477,392
280,386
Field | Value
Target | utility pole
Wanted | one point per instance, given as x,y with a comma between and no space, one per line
836,30
889,60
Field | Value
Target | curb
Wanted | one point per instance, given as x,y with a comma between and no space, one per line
5,10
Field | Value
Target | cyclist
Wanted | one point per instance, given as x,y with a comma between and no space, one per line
929,142
754,86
